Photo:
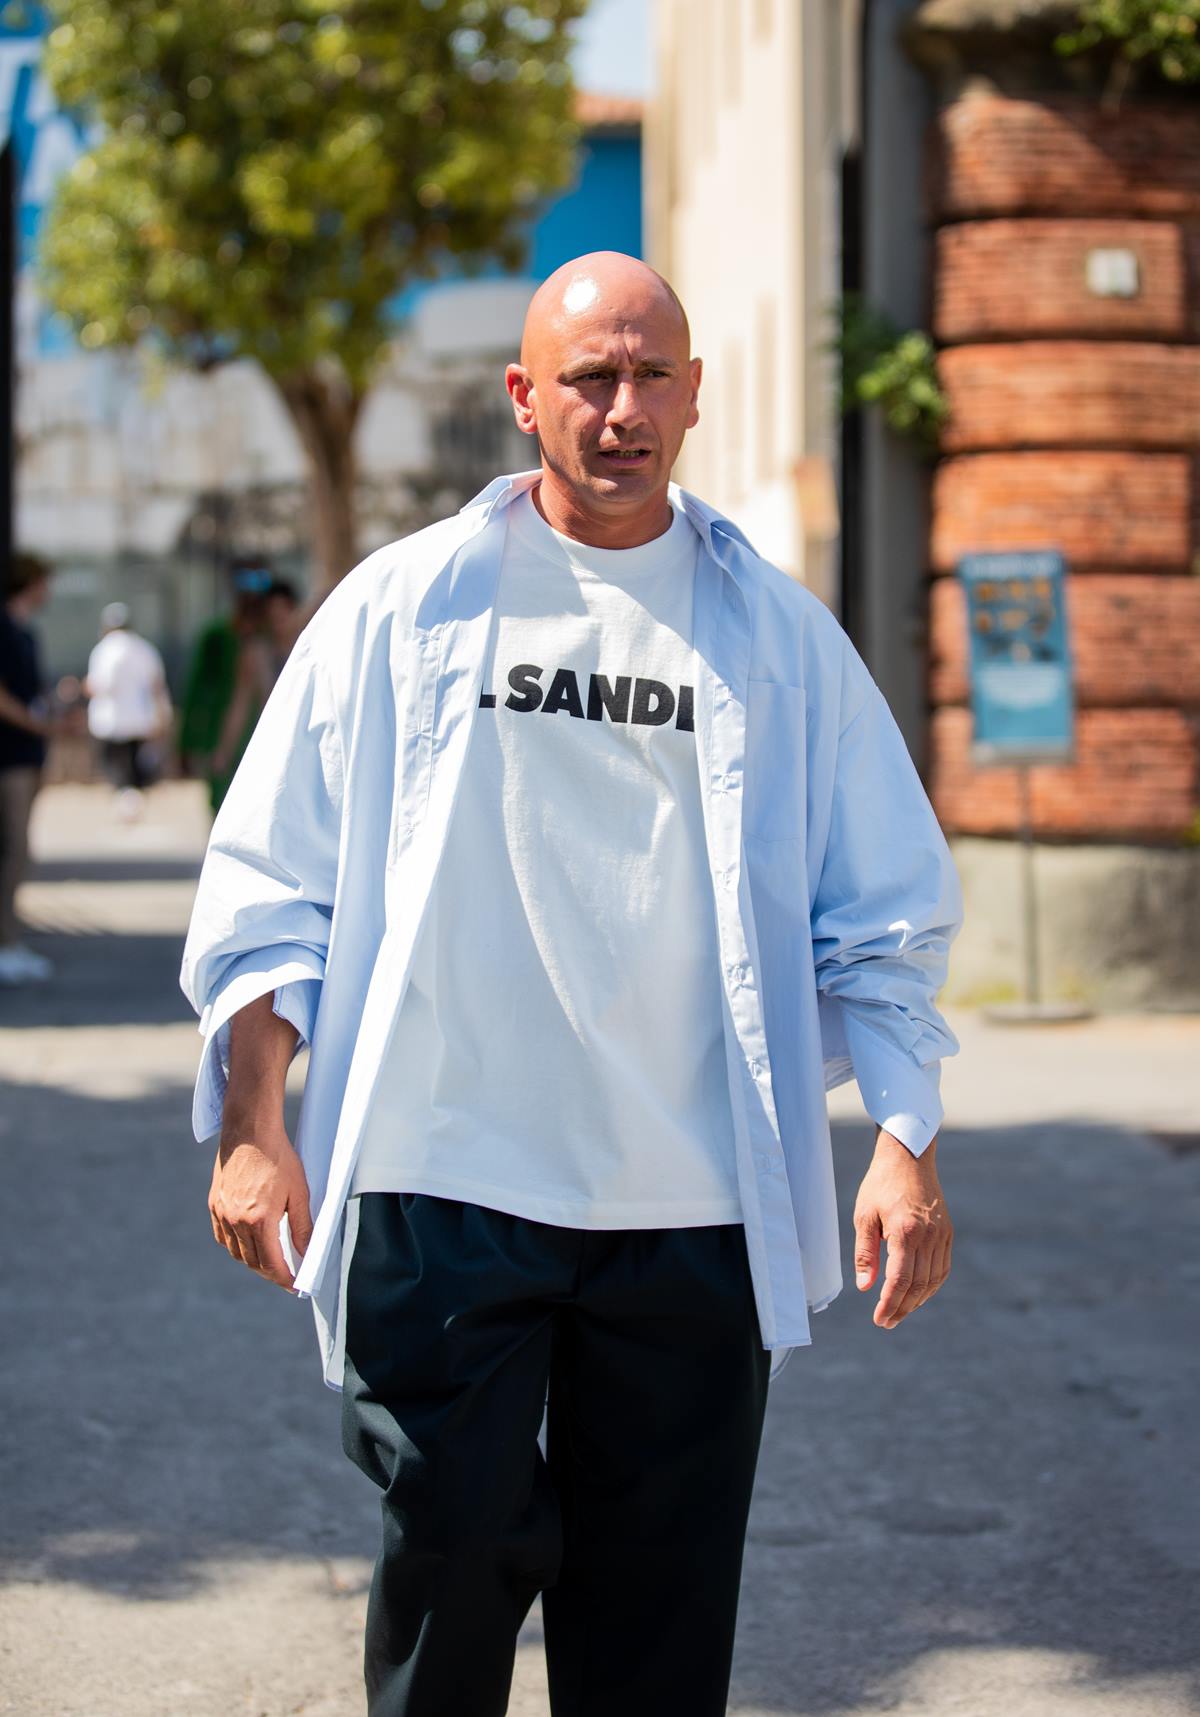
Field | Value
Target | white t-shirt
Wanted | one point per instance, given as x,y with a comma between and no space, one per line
126,680
559,1053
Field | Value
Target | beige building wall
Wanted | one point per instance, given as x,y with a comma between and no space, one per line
755,103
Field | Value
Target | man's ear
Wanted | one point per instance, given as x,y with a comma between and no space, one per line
696,368
519,383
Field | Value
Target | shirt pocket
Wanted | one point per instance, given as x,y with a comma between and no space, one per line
775,776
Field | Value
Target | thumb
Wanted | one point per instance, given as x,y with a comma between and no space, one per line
868,1230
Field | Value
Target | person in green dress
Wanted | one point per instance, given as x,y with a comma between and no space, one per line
212,680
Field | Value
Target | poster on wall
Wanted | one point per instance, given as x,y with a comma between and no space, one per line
1022,696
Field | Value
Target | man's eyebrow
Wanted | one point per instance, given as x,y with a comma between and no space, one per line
585,366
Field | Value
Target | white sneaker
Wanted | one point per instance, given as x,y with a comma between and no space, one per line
20,965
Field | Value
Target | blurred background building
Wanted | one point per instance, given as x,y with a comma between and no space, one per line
1036,218
1040,218
145,484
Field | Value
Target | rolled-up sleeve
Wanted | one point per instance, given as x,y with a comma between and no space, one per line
264,903
887,907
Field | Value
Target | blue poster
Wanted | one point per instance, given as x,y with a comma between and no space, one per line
1020,660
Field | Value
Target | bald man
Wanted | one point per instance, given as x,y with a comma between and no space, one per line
579,845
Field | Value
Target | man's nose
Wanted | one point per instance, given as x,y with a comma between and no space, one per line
626,407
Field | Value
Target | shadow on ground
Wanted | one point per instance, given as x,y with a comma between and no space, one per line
167,1407
100,979
1013,1468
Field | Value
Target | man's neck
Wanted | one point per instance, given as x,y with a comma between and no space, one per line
562,511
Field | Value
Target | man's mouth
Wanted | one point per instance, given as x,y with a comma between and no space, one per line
625,455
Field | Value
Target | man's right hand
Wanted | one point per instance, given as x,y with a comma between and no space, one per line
256,1178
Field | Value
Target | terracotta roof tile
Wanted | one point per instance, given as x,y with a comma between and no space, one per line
608,112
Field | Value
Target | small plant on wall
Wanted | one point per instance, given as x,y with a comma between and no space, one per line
891,367
1165,37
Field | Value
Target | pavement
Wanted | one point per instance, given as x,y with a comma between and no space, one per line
991,1511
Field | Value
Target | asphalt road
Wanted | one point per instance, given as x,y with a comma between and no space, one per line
991,1511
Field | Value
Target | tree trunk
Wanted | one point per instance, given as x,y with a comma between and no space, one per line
324,409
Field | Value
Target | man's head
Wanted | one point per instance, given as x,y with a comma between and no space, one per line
114,617
280,606
608,385
28,584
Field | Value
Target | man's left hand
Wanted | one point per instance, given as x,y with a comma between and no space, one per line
900,1201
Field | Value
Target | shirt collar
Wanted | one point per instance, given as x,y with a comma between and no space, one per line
721,537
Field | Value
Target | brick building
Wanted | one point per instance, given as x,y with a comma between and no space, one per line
944,161
1065,298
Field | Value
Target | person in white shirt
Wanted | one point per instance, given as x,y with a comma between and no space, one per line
574,839
128,703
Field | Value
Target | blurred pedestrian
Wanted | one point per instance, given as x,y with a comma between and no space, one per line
262,653
581,846
212,680
129,706
24,730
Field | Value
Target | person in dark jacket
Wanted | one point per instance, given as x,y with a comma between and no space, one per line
24,729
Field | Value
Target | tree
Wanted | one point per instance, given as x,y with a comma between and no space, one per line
270,173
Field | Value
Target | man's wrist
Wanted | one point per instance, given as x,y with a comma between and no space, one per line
890,1145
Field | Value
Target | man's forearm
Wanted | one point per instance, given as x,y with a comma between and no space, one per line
261,1046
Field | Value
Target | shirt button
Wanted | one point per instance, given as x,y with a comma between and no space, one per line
757,1069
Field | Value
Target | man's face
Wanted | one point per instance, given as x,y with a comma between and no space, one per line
36,595
610,390
280,612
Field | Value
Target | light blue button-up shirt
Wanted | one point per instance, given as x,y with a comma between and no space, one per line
834,892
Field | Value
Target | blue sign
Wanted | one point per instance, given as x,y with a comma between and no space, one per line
1020,661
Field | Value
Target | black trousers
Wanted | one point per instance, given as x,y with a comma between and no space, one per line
460,1320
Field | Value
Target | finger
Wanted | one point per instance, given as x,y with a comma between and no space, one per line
868,1229
917,1288
248,1239
269,1255
896,1282
299,1219
939,1271
230,1240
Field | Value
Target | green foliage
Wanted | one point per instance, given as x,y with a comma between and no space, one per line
1167,35
269,173
883,365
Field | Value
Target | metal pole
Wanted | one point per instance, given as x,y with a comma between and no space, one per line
1033,983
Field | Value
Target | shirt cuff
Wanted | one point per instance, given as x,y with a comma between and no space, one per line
900,1093
296,985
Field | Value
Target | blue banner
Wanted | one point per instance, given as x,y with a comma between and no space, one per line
1020,660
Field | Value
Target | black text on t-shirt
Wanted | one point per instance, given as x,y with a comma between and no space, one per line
646,702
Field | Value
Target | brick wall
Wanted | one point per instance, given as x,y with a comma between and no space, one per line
1065,155
1135,639
1063,393
1101,509
1002,278
1075,423
1134,778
